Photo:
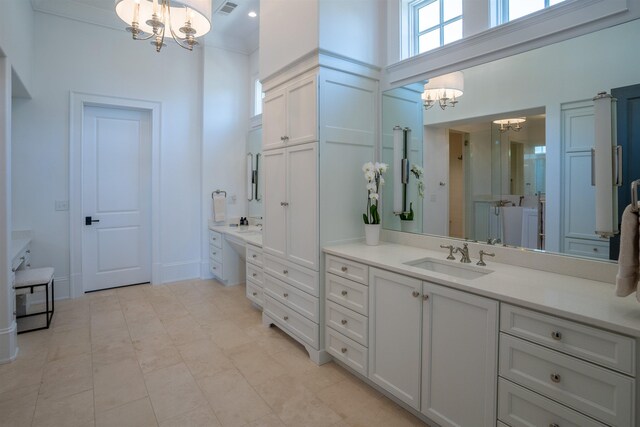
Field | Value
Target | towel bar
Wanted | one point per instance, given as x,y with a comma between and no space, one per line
634,195
219,192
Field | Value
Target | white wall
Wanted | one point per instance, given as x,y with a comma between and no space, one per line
226,110
16,41
106,62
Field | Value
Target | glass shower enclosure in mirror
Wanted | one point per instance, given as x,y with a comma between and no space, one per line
511,162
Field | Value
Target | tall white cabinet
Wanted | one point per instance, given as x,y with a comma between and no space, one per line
319,128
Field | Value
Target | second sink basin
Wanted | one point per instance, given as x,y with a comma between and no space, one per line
467,272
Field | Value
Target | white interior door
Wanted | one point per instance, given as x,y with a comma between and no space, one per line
116,196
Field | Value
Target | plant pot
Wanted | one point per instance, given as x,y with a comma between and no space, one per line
408,225
372,234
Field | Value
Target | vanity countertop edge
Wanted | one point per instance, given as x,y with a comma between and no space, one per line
253,239
573,298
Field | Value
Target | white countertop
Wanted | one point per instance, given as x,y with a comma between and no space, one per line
249,234
574,298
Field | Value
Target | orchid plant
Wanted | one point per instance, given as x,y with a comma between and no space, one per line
373,175
418,172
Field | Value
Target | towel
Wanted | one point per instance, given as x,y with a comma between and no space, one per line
219,207
628,262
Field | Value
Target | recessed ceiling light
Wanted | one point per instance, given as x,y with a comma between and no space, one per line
252,14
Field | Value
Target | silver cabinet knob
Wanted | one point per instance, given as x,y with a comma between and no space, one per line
555,378
285,204
415,294
343,349
255,294
286,317
344,269
286,295
595,249
214,238
29,265
22,258
282,138
214,253
425,297
254,275
344,293
556,335
28,251
254,256
285,271
343,321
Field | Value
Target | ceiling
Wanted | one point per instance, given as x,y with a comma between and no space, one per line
236,31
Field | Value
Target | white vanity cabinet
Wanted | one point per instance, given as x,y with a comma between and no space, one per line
225,263
254,274
459,357
290,114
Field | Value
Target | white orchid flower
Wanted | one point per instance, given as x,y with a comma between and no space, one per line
382,167
370,175
381,181
374,196
367,167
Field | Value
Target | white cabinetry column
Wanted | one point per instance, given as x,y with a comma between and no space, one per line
8,340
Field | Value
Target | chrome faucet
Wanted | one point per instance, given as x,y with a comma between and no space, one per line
464,251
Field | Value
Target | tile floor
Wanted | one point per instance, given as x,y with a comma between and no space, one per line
185,354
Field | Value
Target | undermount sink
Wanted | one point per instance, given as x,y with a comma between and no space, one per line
249,232
467,272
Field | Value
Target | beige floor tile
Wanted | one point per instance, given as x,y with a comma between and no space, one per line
70,319
320,377
138,413
350,398
111,319
205,311
295,360
200,417
104,303
137,310
173,392
204,358
17,406
255,365
118,383
184,330
74,410
233,400
67,376
268,421
156,352
69,343
170,311
130,293
227,335
111,346
294,404
383,415
145,328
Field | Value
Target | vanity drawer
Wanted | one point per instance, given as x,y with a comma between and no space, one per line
215,238
215,254
519,407
348,294
347,351
254,293
602,394
347,322
255,274
286,294
592,344
254,255
215,268
587,248
290,320
349,269
22,260
300,277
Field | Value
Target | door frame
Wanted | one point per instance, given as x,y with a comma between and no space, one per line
78,102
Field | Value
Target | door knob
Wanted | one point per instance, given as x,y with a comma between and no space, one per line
88,220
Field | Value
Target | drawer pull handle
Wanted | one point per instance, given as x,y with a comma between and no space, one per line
344,293
286,317
344,269
343,349
415,294
254,256
255,294
555,378
343,321
286,295
556,335
285,271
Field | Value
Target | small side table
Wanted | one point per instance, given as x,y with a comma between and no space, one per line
26,281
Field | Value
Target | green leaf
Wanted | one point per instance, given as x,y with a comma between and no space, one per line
366,219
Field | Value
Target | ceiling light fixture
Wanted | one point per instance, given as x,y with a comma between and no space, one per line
252,14
443,90
510,124
183,20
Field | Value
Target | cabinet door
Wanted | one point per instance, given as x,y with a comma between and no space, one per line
302,208
274,240
395,323
274,119
459,357
302,111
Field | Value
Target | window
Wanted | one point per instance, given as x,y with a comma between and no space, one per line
435,23
257,97
508,10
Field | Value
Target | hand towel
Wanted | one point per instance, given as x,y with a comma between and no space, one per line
219,207
628,262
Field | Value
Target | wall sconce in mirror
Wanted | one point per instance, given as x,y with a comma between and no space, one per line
401,138
252,177
606,165
510,124
443,91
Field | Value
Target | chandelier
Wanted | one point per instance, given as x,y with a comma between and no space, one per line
183,20
510,124
443,90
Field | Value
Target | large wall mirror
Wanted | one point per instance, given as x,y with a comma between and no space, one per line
510,164
255,172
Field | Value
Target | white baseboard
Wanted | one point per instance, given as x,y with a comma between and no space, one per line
9,343
205,271
174,272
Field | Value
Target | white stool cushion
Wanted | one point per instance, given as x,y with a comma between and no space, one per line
34,276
